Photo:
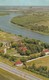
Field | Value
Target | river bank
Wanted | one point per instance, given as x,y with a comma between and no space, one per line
35,21
42,33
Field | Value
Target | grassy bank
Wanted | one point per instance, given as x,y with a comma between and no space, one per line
4,36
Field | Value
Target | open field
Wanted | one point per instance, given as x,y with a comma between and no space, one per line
40,62
35,21
4,75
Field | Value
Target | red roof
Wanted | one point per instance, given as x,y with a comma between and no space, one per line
45,50
23,49
18,62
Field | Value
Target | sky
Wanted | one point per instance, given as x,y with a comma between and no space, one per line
24,2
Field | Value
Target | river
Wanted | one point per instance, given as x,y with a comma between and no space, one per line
7,26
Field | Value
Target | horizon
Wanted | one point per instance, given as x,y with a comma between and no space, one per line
20,6
24,2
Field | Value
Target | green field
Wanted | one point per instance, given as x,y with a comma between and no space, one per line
4,75
35,21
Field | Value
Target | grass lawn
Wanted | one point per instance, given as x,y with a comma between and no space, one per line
4,75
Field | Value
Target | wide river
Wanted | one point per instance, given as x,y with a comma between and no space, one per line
7,26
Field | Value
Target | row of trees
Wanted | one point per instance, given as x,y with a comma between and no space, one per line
11,58
40,28
42,70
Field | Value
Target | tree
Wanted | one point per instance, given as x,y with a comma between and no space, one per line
42,54
48,73
1,44
13,45
42,68
13,58
6,56
33,66
23,60
28,52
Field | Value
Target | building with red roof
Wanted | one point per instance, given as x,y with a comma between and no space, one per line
24,49
46,51
18,63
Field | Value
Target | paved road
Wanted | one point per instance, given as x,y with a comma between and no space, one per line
18,72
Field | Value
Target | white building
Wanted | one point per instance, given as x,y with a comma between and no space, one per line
5,50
